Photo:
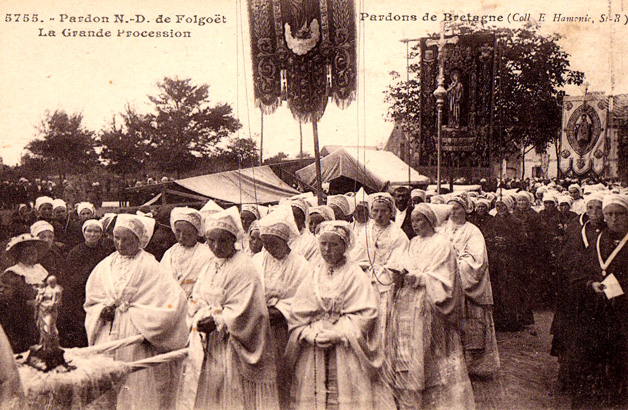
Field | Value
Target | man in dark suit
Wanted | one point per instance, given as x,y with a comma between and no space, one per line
404,210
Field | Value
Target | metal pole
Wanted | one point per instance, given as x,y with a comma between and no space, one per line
501,180
440,93
317,160
608,134
261,140
408,158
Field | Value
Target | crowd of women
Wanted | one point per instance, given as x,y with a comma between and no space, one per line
370,301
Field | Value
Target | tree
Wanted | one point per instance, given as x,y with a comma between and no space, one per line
185,128
532,70
33,166
529,102
66,145
280,156
124,147
239,153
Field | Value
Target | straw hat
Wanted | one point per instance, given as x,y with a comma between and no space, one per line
12,246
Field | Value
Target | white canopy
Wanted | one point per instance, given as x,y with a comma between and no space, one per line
246,186
371,168
457,188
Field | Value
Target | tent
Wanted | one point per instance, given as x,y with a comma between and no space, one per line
250,185
457,188
373,169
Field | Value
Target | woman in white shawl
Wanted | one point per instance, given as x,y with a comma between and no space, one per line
282,271
380,244
424,355
230,364
305,243
185,259
129,294
250,214
334,340
480,344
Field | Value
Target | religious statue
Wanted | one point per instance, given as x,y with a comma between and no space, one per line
583,130
454,95
48,302
47,354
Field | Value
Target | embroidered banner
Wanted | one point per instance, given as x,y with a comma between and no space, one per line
470,66
303,52
583,141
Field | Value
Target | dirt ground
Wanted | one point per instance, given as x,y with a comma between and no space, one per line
527,379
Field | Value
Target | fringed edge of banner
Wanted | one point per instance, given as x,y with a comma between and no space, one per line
343,103
304,118
268,109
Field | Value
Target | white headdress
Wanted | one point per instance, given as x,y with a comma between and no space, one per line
228,220
141,226
186,214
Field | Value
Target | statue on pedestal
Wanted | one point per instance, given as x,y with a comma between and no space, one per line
47,354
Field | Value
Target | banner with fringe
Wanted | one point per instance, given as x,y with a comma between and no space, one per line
583,145
303,52
470,70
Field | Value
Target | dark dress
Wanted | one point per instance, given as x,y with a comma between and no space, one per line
54,262
19,225
567,217
406,225
484,223
573,250
17,317
81,260
551,240
532,227
162,240
598,347
73,232
66,232
508,280
531,252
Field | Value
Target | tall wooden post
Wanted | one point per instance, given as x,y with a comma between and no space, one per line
317,161
300,141
261,140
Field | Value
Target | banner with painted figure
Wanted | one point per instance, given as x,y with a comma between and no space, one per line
470,65
303,52
583,143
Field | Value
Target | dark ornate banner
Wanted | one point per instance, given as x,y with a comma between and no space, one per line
470,70
303,52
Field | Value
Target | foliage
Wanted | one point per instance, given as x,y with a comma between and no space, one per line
239,153
280,156
31,165
184,126
529,102
533,68
403,96
66,145
124,147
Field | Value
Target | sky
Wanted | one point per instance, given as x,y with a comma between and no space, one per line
98,77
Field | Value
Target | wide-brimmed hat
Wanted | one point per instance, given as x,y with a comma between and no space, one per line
14,244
